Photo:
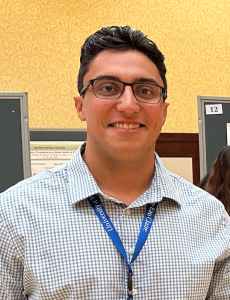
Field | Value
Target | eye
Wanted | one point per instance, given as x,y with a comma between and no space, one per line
107,87
146,90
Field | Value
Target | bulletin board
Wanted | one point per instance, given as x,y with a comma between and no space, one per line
214,128
14,137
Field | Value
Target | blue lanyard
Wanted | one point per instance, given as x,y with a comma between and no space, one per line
110,229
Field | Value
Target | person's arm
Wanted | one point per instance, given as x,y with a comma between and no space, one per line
219,288
11,266
220,285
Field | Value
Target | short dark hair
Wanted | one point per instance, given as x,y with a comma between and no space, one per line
122,39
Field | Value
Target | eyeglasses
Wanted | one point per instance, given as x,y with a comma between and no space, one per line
111,89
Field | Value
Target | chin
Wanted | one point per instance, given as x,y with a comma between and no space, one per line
130,151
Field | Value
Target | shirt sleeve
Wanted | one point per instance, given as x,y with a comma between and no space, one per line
220,284
219,288
11,266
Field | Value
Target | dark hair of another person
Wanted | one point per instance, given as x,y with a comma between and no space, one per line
218,183
121,39
203,182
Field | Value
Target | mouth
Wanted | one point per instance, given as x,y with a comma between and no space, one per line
126,126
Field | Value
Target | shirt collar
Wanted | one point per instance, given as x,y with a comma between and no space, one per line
163,183
83,185
81,182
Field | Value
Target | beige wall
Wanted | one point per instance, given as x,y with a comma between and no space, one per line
40,43
181,166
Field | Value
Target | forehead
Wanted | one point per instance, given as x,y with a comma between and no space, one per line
128,66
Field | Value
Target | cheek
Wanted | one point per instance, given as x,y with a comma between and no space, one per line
155,115
102,108
97,110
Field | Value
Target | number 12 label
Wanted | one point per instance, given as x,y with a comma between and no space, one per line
214,109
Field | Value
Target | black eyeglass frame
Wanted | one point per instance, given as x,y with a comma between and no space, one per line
91,82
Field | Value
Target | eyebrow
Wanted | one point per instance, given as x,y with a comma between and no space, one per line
109,77
141,79
146,80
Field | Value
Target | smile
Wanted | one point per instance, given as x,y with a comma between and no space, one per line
126,126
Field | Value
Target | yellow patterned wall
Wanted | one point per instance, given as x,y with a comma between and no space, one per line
40,43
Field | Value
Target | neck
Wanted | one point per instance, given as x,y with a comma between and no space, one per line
124,180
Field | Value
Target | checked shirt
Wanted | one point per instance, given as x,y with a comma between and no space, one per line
53,247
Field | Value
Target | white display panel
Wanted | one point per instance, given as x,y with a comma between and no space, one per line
46,154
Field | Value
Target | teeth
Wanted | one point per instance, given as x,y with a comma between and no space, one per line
126,126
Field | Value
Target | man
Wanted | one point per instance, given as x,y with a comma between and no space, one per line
113,223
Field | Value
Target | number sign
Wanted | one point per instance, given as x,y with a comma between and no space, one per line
214,109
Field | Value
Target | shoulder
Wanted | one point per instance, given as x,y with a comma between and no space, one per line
34,189
192,194
32,203
198,211
185,192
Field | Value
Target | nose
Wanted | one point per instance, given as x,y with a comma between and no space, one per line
128,103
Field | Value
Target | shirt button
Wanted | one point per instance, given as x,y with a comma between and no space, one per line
128,212
134,291
131,250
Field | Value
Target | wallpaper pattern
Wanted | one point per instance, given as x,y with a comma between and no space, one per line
40,42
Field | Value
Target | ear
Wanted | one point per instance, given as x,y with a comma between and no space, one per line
165,110
79,107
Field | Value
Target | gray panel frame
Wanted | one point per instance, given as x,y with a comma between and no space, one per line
201,100
53,134
23,98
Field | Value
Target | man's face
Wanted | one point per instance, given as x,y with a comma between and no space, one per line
123,128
